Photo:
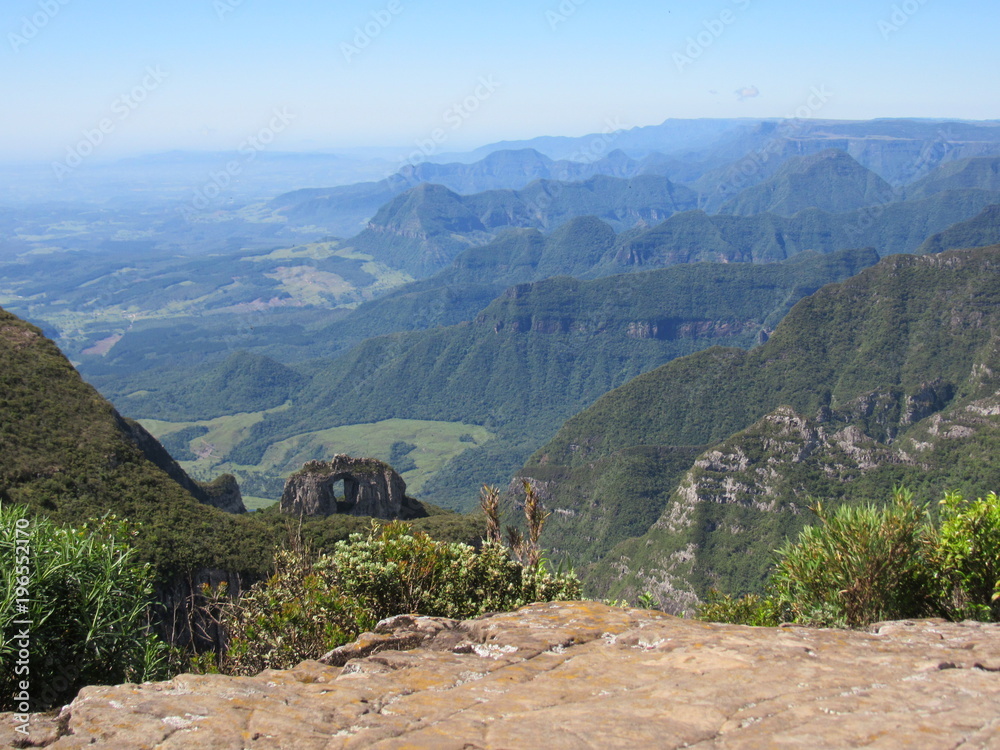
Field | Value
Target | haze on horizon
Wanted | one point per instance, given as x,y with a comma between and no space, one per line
208,74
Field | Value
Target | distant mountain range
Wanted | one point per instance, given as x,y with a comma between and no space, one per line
256,302
422,230
346,210
716,158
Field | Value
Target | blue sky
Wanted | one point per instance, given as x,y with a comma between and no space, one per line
210,73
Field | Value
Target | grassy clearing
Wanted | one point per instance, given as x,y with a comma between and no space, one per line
212,447
311,287
436,444
312,250
257,503
386,277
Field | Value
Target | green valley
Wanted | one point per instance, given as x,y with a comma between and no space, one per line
427,447
541,352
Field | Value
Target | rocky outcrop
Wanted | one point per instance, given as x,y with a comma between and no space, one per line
746,496
574,675
371,488
224,493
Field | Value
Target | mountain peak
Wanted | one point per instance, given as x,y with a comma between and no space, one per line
830,180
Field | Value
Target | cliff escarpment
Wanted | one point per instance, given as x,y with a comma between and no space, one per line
887,379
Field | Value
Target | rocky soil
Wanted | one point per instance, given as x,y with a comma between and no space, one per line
574,675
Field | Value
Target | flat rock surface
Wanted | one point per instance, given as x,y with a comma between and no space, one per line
575,675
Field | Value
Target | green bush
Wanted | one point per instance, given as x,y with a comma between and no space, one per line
864,564
86,599
307,608
296,614
752,609
964,557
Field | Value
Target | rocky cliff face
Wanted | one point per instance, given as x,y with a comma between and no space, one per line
371,488
224,493
573,675
743,497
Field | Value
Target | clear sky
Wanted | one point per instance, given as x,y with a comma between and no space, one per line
206,74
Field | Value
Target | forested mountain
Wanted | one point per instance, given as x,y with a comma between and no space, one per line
541,352
887,378
422,230
891,228
979,231
831,181
587,247
66,452
475,278
981,173
242,382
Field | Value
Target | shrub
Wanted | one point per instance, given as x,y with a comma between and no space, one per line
86,599
752,609
296,614
865,564
964,557
307,608
862,565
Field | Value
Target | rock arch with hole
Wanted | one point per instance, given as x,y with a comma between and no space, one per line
371,488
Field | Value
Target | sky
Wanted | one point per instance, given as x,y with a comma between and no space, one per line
147,76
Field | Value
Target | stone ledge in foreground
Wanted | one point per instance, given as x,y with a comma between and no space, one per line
576,675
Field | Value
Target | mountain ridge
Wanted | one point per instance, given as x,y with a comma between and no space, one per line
822,406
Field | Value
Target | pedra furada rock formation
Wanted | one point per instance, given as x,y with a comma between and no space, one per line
371,488
574,675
